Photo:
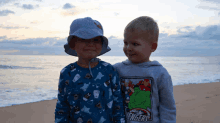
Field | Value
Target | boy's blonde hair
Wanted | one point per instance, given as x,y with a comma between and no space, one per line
144,23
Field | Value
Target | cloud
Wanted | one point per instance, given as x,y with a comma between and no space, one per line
68,13
33,46
211,32
35,22
13,27
116,13
185,29
68,6
112,37
36,42
6,12
68,10
2,37
16,4
209,8
3,2
192,41
27,6
167,27
212,1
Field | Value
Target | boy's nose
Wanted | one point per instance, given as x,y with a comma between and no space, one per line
90,42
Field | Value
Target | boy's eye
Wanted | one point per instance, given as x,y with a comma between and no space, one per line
135,44
97,41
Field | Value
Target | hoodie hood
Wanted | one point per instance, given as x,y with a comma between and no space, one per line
144,64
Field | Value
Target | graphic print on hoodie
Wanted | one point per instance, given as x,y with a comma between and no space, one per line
147,92
137,93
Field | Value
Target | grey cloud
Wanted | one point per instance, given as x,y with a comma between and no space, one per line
36,42
162,35
27,6
209,8
3,2
16,4
211,32
112,37
212,1
184,29
13,27
168,45
3,37
41,46
68,6
6,12
116,13
171,46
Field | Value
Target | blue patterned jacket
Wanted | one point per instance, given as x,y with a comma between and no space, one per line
86,99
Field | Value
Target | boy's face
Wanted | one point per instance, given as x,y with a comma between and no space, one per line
137,47
87,48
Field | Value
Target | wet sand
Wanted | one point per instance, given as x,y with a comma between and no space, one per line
195,103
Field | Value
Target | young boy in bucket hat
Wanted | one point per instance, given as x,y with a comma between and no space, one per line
89,89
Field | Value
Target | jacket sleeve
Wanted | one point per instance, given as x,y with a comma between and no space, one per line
62,108
118,108
167,107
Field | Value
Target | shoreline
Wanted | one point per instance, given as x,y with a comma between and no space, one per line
195,103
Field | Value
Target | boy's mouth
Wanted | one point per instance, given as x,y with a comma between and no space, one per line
89,50
131,54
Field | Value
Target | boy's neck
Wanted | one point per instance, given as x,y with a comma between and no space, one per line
85,63
92,65
141,62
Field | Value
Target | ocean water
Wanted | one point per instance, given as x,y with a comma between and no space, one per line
34,78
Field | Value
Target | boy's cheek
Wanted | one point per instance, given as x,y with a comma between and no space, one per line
124,49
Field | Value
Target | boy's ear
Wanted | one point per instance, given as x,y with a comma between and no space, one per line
73,48
72,43
153,46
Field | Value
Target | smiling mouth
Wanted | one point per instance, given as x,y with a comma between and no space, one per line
89,50
131,54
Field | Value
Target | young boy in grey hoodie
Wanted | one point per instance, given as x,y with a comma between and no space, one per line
146,85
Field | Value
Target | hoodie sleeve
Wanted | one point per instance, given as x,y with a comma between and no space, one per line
167,107
62,108
118,108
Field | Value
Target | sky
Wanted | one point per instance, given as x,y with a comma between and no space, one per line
41,27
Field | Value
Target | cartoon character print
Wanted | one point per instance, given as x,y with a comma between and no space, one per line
129,87
137,98
96,93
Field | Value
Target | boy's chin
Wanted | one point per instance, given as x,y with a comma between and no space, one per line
135,61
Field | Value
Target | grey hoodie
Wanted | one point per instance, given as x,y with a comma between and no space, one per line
147,91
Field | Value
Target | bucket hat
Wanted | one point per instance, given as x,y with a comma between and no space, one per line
86,28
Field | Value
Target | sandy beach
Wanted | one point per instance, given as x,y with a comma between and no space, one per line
195,103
